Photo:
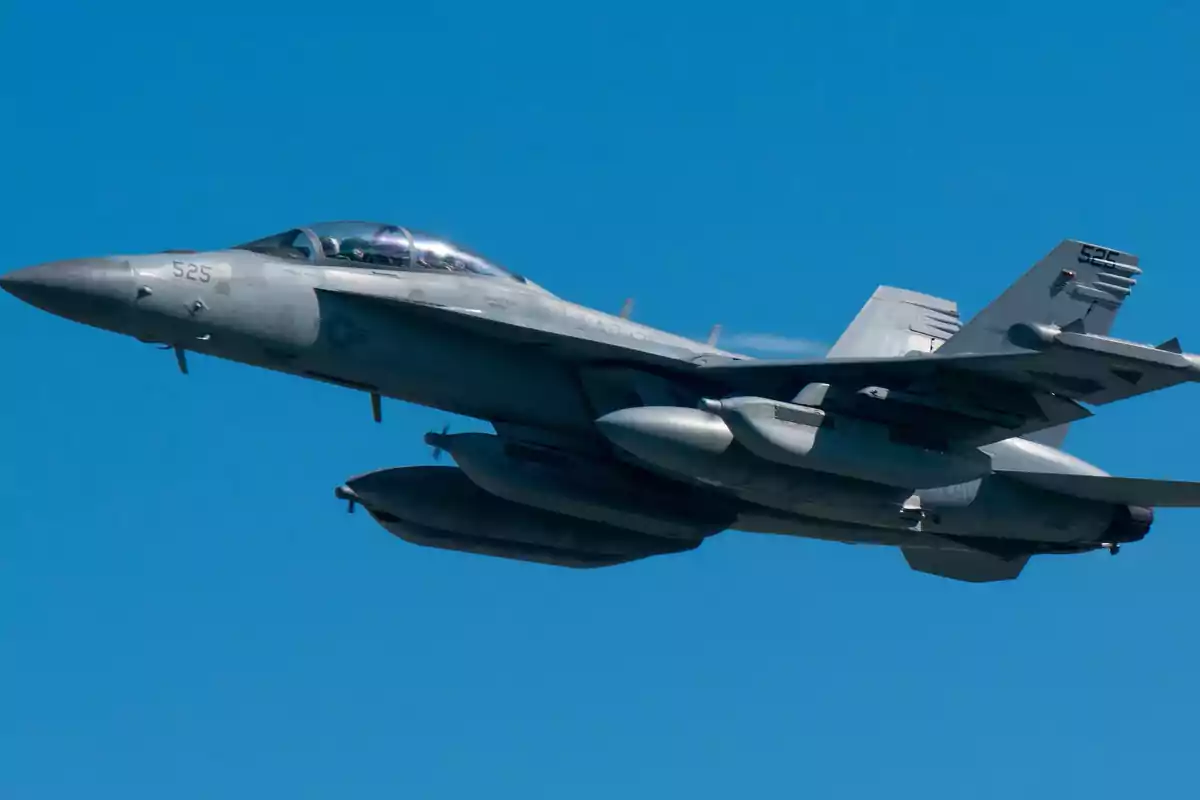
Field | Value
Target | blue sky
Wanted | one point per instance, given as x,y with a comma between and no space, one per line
186,611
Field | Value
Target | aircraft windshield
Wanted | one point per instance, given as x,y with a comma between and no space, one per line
378,246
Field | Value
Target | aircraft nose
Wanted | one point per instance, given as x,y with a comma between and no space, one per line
95,291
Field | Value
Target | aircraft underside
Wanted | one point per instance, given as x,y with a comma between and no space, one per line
638,466
544,505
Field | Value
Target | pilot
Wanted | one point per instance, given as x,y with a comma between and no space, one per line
428,259
354,249
348,249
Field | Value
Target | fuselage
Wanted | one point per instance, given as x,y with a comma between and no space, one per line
504,350
338,324
364,328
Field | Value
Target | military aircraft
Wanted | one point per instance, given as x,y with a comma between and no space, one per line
615,441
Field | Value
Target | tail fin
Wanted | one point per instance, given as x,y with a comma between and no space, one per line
896,322
1076,285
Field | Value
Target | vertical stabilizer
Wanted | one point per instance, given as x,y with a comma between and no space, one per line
1077,285
896,322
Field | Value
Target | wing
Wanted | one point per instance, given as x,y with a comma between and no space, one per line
575,335
1036,377
974,399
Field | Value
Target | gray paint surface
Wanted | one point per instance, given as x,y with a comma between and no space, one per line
616,441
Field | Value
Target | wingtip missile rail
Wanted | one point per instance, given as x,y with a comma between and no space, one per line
1032,336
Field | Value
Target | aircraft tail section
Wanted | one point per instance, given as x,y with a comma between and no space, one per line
896,322
1076,286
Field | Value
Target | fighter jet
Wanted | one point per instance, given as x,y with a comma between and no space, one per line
614,441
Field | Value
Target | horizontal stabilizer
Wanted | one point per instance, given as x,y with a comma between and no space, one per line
972,566
1126,491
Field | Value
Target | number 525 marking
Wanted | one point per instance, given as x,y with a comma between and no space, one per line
191,272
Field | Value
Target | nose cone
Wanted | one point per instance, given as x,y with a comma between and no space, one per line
94,291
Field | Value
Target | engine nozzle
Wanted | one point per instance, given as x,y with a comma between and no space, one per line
1130,524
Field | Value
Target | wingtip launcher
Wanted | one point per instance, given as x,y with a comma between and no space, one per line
1169,354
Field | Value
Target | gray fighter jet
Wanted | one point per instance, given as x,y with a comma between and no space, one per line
615,441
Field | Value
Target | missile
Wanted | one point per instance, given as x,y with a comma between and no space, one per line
1169,354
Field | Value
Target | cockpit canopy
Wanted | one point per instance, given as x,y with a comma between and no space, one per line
378,246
